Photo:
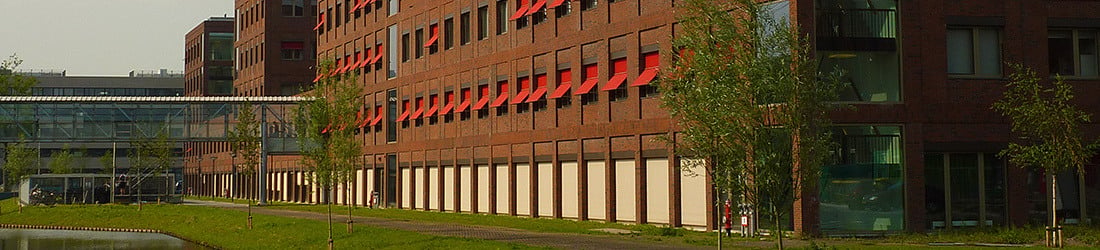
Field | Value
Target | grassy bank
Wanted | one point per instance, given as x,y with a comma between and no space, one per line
227,228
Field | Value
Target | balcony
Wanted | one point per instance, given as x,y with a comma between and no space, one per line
857,29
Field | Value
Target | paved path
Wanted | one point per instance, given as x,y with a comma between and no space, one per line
556,240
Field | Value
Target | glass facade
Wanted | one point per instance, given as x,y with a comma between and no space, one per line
859,38
107,91
964,190
864,190
221,46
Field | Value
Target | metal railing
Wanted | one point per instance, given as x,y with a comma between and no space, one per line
857,23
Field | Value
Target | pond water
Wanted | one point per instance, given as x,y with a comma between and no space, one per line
73,239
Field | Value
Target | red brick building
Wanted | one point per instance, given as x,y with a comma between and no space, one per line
275,47
208,58
546,109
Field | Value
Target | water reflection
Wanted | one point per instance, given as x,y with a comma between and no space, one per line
72,239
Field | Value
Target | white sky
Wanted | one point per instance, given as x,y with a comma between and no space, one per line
102,37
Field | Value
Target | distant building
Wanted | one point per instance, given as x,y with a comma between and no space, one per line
208,58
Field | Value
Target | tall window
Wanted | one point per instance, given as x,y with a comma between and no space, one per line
292,50
448,33
465,29
482,22
391,115
615,83
651,62
293,7
1073,53
502,16
405,47
391,51
591,78
973,51
562,91
419,41
866,177
520,14
395,6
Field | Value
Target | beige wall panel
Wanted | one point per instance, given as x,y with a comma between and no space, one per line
465,188
546,189
406,189
597,191
570,198
626,188
657,190
483,188
523,189
502,188
693,195
448,188
369,189
433,187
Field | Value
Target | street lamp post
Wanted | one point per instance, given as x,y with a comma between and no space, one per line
236,179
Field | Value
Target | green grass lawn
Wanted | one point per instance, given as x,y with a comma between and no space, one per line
227,228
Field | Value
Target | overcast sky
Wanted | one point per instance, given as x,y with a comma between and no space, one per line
102,37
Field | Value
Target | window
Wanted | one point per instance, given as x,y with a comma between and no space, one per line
537,12
482,22
433,107
866,174
395,6
392,52
502,98
482,99
561,92
419,41
465,36
463,108
651,62
448,33
502,15
591,78
521,14
522,92
433,39
536,97
221,46
973,51
618,77
391,115
293,7
448,106
588,4
328,19
405,47
1073,53
964,190
292,51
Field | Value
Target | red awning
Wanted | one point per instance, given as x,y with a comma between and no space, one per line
540,89
481,103
465,101
646,77
404,111
435,35
614,82
449,97
560,91
587,86
524,89
377,115
435,106
521,11
419,109
377,54
318,77
366,59
555,3
536,7
501,99
365,121
319,23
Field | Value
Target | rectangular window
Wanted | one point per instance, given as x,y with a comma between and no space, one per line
448,33
221,46
974,51
292,51
522,92
502,98
618,77
867,176
448,106
538,12
395,6
520,15
536,99
651,62
482,100
562,10
391,115
392,52
588,4
419,41
482,22
591,79
433,39
463,108
465,19
502,15
405,47
1073,53
293,7
561,92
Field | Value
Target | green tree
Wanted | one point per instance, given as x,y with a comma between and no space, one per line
20,161
1047,127
61,161
751,104
108,162
325,127
244,141
12,83
148,157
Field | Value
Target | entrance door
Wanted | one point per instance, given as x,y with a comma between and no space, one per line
964,190
391,180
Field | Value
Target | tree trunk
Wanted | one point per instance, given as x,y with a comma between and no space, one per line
778,230
1053,233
